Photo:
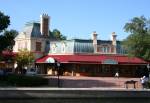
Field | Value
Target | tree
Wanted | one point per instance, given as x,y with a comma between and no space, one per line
6,37
4,21
7,40
24,58
57,34
138,42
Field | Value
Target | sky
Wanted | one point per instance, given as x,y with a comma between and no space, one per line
77,18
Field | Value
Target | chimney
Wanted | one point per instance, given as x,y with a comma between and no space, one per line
44,24
114,42
94,37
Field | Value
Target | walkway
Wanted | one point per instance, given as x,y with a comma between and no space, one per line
92,82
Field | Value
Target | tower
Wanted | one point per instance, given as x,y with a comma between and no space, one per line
44,27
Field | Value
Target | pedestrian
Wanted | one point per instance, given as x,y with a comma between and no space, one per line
117,75
143,82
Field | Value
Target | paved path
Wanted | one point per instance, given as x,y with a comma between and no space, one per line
92,82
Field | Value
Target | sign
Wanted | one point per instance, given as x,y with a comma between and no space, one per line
50,60
109,61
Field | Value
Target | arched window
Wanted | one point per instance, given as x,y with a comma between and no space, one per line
54,46
63,47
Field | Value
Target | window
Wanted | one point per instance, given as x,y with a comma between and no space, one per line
38,46
105,49
54,46
47,46
99,49
106,69
63,48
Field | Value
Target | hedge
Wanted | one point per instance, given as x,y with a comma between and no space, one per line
23,81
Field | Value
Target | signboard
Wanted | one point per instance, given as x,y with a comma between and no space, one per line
109,61
50,60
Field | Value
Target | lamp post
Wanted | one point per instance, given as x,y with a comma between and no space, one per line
148,67
58,71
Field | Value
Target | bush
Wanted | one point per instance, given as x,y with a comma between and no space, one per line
24,81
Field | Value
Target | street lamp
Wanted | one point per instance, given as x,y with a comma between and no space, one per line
148,67
58,71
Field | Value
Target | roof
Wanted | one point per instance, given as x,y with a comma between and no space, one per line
32,29
94,59
8,53
98,41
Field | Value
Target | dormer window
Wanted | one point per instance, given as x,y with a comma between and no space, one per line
54,46
103,49
63,47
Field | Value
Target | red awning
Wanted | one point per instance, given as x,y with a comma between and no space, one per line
71,58
8,53
93,59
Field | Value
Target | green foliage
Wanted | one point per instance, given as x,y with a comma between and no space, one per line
7,42
138,42
4,21
24,58
22,80
7,39
57,34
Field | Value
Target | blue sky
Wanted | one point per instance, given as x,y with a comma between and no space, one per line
77,18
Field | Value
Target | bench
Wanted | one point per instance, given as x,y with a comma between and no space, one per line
133,82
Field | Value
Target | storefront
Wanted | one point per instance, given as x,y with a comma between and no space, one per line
93,65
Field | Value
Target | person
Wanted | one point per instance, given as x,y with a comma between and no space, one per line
117,74
143,81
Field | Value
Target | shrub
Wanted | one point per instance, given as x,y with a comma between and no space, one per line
24,81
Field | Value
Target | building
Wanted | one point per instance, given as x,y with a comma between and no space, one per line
77,56
91,46
35,37
93,57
